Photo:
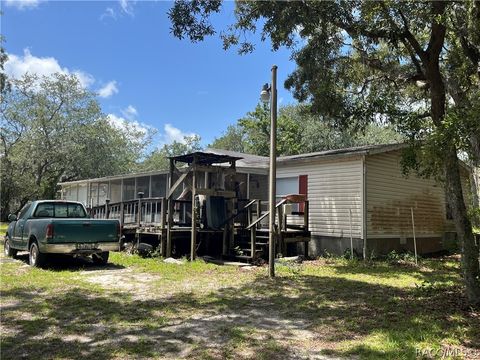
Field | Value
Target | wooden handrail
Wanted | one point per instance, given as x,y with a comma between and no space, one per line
281,202
239,212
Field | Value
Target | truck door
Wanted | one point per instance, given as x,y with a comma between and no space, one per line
19,226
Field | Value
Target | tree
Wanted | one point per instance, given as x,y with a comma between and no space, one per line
299,131
158,159
52,130
362,60
232,139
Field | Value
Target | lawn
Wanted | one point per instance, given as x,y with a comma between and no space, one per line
144,308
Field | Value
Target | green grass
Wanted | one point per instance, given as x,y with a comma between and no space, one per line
3,228
144,308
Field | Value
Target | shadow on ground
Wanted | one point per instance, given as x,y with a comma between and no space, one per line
287,317
67,263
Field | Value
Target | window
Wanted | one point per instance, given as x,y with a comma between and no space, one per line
24,211
293,185
128,189
286,186
60,210
143,185
159,184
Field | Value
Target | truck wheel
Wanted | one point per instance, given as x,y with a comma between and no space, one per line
100,258
8,250
36,258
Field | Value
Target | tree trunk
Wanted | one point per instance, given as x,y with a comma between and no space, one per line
470,251
463,226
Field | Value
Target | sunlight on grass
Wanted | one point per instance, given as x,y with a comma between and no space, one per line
138,307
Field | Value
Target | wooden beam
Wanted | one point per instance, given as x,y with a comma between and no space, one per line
177,183
224,241
212,192
306,210
253,241
280,230
193,242
170,213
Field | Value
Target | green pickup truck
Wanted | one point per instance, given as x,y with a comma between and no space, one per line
60,227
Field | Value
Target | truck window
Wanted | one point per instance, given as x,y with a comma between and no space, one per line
60,210
24,211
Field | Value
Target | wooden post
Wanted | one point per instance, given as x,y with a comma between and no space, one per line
259,210
107,212
414,238
163,214
253,241
281,245
305,215
351,235
139,209
170,212
122,215
193,242
231,242
224,240
306,210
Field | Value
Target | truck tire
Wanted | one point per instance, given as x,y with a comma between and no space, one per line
35,257
8,250
100,258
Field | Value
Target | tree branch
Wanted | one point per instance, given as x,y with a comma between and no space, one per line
437,36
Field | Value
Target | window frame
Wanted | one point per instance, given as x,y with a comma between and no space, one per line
54,205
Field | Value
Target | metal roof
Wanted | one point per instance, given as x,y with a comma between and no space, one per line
357,150
252,162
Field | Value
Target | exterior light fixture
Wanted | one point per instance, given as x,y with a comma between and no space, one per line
265,94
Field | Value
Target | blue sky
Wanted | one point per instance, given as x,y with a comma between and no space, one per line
125,52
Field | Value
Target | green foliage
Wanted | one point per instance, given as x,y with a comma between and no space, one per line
256,126
299,131
360,61
413,64
52,130
158,159
232,139
395,257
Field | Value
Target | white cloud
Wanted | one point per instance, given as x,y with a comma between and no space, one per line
109,13
85,79
22,4
127,7
174,134
108,89
17,66
130,112
124,124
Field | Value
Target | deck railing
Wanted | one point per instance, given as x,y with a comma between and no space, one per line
144,212
152,212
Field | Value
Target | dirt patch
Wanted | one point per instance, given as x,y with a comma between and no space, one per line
133,282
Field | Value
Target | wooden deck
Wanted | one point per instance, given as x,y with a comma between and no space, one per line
146,219
208,212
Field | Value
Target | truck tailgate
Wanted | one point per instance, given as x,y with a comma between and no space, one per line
85,230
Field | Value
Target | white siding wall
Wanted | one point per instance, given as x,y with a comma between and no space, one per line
70,193
334,187
390,195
